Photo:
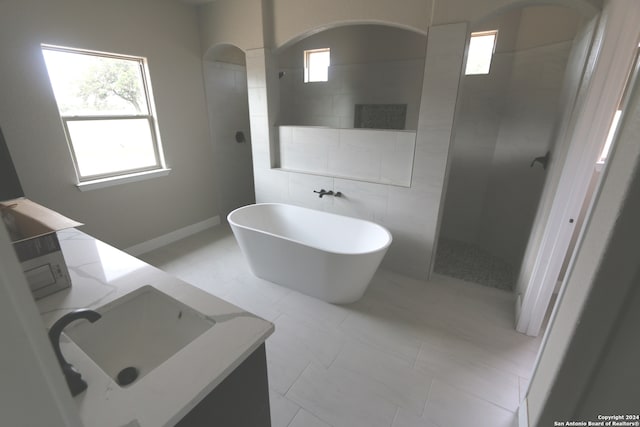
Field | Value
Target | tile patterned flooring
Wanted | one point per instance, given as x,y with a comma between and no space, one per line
471,263
410,353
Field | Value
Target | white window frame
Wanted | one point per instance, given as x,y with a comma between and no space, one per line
88,182
307,64
478,34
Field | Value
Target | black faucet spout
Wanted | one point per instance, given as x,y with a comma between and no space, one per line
74,380
323,192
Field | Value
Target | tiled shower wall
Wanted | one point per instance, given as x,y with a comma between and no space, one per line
410,213
527,132
504,121
226,90
381,156
332,103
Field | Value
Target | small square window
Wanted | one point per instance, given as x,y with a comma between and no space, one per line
481,48
316,65
105,105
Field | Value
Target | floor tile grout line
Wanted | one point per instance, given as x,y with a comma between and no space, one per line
424,407
294,415
342,346
376,347
395,416
297,378
345,333
344,319
477,396
301,405
382,384
415,361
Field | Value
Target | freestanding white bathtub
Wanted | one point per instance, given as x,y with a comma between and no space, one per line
327,256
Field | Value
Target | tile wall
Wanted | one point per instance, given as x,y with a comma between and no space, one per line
410,213
505,119
527,131
381,156
226,90
332,103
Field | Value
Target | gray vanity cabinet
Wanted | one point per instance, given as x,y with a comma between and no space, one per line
241,400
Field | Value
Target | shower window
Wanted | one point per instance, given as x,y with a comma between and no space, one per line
616,117
481,48
316,65
612,131
107,113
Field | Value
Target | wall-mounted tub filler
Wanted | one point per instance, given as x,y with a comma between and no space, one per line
327,256
324,192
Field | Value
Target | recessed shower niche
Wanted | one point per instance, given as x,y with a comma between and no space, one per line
361,123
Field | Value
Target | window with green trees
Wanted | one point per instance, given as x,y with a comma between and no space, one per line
106,107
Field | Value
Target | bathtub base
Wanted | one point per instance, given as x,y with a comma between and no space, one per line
337,276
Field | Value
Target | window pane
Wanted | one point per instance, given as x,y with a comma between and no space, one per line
108,146
480,53
317,63
612,131
89,84
105,106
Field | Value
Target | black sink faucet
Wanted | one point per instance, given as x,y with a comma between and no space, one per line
74,380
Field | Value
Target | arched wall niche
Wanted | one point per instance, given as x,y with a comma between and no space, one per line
337,24
244,23
225,77
226,53
376,71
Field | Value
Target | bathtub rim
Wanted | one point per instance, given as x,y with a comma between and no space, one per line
377,249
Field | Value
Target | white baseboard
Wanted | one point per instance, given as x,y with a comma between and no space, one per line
181,233
523,414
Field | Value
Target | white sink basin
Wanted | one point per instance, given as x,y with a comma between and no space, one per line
141,330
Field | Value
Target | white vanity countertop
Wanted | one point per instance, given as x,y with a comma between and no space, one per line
100,274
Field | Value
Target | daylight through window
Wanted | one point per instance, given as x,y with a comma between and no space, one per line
604,154
481,47
106,110
316,65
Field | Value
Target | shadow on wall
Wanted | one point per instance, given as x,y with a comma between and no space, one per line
225,76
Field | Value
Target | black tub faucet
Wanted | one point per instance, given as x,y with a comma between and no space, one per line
74,380
324,192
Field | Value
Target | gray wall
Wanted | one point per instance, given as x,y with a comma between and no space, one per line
226,87
370,64
165,32
479,113
504,120
411,214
